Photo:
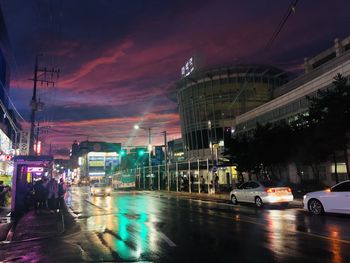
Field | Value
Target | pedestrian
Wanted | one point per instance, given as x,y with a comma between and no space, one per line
2,194
46,192
53,194
211,187
216,183
7,191
62,188
192,182
29,196
182,184
38,195
202,183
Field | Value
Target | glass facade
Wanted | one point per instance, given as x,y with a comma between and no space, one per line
217,96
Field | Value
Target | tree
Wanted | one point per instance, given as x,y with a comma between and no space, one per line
239,152
329,115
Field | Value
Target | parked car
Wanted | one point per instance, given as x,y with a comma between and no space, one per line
261,193
333,200
100,189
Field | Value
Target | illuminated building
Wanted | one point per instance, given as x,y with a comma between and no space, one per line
290,100
210,100
96,160
234,99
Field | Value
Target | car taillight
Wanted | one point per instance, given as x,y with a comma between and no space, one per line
289,190
270,190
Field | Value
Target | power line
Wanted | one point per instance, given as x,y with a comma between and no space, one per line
290,10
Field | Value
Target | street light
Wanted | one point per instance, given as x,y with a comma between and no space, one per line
212,155
137,127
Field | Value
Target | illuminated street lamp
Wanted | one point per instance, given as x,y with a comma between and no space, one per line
137,127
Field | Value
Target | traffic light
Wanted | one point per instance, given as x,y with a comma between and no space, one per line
140,152
122,153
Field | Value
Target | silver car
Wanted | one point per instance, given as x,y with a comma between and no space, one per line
100,189
261,193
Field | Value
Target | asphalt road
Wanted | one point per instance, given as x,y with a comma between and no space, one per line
148,227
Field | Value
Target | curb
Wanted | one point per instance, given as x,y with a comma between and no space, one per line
211,197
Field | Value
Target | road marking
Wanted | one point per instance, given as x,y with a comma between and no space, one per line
261,224
293,231
91,203
71,212
166,239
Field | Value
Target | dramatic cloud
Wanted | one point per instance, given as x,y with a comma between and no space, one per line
119,59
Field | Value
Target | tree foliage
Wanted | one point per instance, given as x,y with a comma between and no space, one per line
310,140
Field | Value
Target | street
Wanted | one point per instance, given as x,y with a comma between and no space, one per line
152,227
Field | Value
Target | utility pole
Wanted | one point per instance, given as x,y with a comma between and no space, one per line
166,158
40,75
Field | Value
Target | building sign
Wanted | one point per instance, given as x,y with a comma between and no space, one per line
35,169
96,165
102,163
188,68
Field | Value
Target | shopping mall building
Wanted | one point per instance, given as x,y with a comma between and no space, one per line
215,102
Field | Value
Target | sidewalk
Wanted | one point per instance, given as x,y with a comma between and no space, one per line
5,222
38,225
221,197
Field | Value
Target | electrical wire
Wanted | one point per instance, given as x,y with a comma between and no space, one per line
290,10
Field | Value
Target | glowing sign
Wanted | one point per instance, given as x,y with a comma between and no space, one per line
188,68
37,148
35,169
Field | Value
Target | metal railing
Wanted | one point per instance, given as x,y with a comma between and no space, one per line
190,176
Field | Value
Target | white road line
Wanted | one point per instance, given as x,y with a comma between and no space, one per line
91,203
71,212
166,239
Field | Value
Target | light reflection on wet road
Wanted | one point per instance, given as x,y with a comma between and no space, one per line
146,226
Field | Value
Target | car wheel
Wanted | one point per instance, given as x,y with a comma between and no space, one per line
258,202
234,199
315,207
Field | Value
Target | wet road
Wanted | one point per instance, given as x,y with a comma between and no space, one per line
148,227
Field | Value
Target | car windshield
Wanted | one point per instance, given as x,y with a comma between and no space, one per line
272,184
100,185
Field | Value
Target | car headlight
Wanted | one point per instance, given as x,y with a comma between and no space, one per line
108,190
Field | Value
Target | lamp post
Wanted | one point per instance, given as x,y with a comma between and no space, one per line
211,153
137,127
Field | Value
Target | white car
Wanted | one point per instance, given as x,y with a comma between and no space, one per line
261,193
333,200
100,189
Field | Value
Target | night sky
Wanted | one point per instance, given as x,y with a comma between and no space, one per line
119,59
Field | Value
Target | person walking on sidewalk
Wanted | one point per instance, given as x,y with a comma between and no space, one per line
38,195
202,183
216,183
53,194
2,194
62,188
46,192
